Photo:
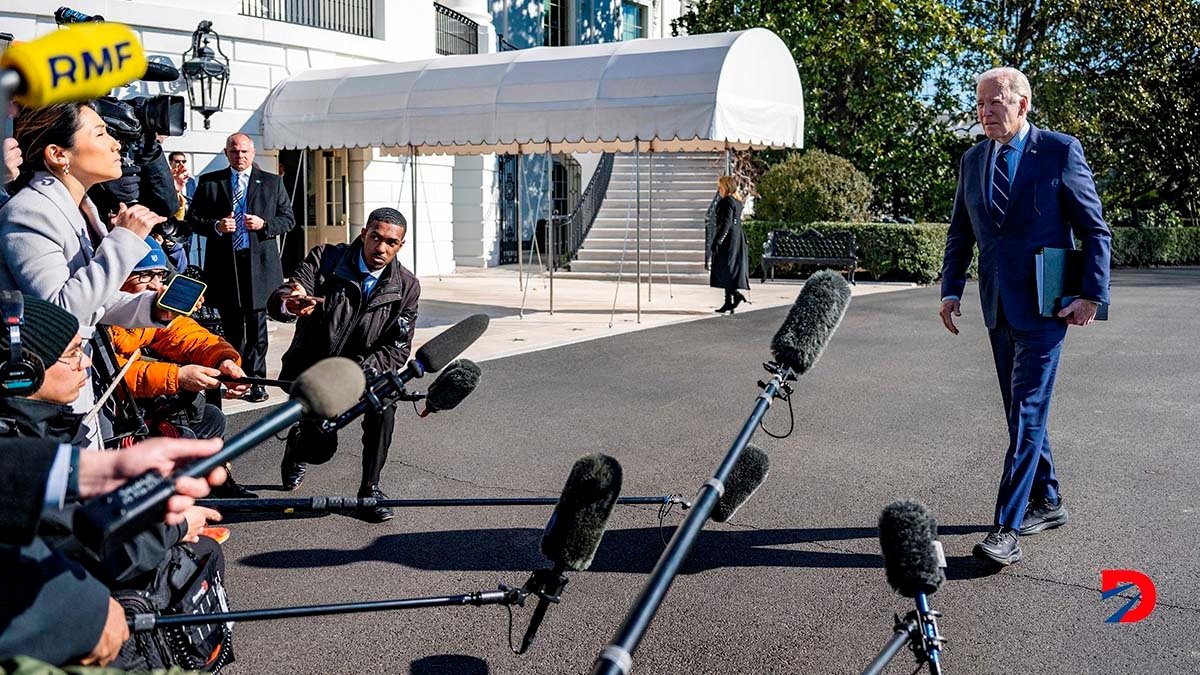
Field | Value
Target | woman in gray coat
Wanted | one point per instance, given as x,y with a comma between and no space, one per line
730,268
52,242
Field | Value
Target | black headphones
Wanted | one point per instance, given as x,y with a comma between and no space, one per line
22,373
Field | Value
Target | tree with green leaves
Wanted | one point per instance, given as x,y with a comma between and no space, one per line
1121,75
889,85
866,68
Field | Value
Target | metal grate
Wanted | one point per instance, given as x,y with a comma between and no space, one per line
456,34
356,17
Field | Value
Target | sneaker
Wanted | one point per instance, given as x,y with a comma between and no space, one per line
1002,546
1041,515
373,514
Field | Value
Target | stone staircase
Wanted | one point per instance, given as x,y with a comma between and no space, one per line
684,185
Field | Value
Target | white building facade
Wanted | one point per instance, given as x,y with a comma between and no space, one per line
459,201
269,40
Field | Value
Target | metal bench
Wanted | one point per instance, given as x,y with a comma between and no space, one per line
809,247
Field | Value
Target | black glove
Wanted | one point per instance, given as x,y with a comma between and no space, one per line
127,188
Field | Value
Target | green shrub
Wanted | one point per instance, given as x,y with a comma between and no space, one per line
1155,246
813,186
888,251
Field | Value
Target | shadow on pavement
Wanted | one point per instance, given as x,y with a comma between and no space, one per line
630,551
449,664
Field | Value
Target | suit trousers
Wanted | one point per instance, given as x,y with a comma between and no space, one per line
1026,364
246,327
308,444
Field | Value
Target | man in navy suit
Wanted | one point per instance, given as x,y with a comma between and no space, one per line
240,211
1021,189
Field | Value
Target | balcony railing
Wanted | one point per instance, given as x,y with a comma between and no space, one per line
356,17
456,34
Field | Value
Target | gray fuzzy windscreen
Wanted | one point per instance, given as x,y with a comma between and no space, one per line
447,345
810,324
453,385
906,535
748,474
578,522
330,387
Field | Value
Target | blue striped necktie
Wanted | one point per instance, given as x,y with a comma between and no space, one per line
1001,188
241,238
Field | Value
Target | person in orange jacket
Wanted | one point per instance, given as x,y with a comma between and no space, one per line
178,364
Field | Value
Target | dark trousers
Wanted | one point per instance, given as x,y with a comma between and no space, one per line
210,424
245,327
1026,364
308,444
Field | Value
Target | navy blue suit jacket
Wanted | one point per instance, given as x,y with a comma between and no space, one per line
1054,196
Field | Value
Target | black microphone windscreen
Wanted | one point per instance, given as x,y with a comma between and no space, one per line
907,535
577,524
160,71
455,383
330,387
812,320
447,345
748,474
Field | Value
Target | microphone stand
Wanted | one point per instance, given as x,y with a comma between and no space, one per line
548,586
382,391
332,503
141,623
617,657
918,630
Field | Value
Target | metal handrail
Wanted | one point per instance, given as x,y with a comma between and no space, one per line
579,220
503,45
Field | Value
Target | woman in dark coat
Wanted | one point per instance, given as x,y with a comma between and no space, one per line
730,267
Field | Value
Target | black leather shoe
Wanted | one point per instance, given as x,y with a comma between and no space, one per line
373,514
257,394
1043,515
291,473
230,488
727,307
1002,546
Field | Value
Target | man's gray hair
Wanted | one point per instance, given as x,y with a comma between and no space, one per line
1012,80
236,134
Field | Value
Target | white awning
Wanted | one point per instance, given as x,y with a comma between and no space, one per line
695,93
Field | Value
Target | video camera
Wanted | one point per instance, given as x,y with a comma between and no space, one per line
136,123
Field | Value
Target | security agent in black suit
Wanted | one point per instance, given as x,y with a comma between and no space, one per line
241,221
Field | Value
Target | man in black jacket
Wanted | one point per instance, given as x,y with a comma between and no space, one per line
241,210
359,302
52,608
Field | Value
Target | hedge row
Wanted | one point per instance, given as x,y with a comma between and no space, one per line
890,251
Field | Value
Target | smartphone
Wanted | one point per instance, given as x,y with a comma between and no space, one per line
182,294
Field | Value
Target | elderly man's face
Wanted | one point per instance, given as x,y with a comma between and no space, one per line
1001,111
240,152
